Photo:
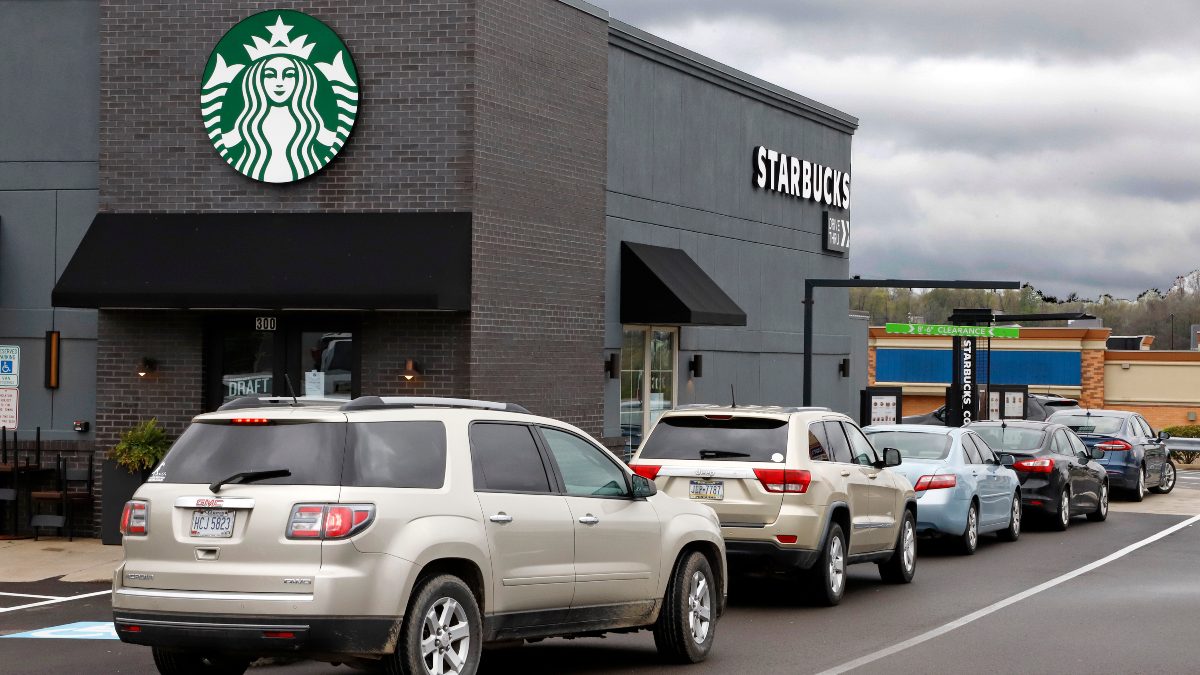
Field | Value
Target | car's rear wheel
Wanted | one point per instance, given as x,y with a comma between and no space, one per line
826,581
1063,518
968,541
900,568
1168,479
1101,512
688,620
1013,531
442,631
1139,491
170,662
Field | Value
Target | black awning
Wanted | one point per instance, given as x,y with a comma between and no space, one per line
665,286
414,261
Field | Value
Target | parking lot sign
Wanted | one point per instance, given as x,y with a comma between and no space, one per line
8,407
10,366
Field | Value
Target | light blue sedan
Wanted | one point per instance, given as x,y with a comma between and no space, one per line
963,489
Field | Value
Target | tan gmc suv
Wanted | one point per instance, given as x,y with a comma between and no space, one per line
405,532
797,489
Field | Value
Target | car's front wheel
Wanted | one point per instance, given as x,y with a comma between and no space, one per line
442,631
1013,531
1168,479
688,620
900,568
170,662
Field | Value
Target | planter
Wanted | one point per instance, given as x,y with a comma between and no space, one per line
118,485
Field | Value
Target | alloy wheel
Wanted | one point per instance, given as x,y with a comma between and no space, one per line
972,528
1016,515
909,543
1064,508
837,565
445,638
699,607
1141,486
1168,478
1104,499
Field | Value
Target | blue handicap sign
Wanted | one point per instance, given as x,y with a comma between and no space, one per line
6,367
80,630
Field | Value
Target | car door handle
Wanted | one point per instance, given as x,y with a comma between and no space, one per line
501,517
873,476
845,473
589,519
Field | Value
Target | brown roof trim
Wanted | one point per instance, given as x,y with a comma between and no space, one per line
1162,355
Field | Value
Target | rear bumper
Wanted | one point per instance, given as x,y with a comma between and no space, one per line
767,557
259,635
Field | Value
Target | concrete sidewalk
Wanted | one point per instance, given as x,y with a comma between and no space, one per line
52,557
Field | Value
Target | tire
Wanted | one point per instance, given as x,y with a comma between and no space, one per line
1013,531
826,581
688,620
900,568
1101,512
444,610
968,541
1062,517
1139,491
171,662
1168,479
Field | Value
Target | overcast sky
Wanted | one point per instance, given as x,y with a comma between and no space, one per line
1055,142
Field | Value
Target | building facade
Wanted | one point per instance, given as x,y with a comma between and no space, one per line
526,200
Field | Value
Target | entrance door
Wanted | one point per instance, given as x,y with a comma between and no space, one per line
256,355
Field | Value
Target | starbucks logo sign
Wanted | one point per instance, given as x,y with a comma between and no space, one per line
280,95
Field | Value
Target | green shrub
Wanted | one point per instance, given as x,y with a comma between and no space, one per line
1184,431
142,447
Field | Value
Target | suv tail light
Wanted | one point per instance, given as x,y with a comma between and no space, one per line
935,482
328,521
135,518
1035,465
1114,445
647,471
791,481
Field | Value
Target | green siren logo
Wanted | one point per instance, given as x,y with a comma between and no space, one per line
280,96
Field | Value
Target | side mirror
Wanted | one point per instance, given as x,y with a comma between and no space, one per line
643,487
1007,460
891,457
940,414
1096,453
1163,436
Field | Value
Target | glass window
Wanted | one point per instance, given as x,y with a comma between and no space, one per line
1060,445
396,455
1089,424
587,470
1010,438
505,458
247,364
633,405
818,444
970,450
208,452
912,444
839,447
1145,427
326,360
662,373
861,449
1078,446
737,438
985,453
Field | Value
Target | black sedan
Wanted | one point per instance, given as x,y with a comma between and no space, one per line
1058,473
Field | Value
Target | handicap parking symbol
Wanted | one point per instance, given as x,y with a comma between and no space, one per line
80,630
6,367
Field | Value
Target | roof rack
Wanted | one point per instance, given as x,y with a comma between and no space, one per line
385,402
279,402
754,408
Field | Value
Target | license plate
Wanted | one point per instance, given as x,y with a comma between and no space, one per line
703,489
212,523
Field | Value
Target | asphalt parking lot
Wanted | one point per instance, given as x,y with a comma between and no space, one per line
1008,609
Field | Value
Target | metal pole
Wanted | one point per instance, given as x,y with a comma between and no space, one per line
808,339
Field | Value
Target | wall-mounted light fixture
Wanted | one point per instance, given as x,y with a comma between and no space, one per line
844,367
52,345
1191,415
411,369
696,365
147,366
612,365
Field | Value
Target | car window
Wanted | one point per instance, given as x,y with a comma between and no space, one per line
1078,446
971,451
1146,430
1089,424
818,442
839,447
737,438
1010,438
912,444
860,448
586,469
505,458
1060,445
212,450
985,452
395,454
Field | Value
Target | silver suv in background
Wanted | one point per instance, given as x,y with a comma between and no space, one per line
405,532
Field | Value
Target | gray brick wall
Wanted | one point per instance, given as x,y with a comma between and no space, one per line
411,144
438,342
540,164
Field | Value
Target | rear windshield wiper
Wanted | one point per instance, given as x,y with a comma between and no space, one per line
713,454
249,477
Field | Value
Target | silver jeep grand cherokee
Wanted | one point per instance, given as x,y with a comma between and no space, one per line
405,532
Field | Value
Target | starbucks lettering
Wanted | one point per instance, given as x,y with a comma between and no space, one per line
962,399
799,178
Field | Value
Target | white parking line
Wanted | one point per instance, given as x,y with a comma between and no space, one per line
30,595
55,600
997,606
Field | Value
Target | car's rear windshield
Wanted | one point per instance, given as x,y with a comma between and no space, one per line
1090,424
1010,439
718,437
368,454
912,444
